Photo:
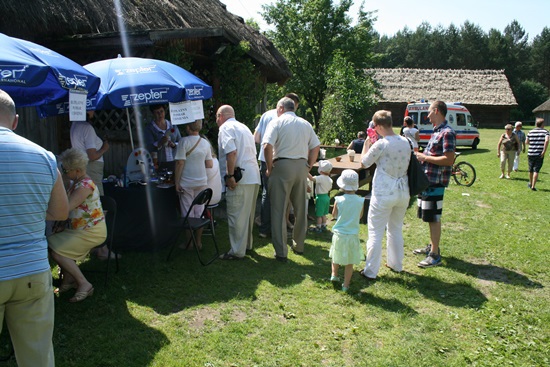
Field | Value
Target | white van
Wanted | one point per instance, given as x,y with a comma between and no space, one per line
458,117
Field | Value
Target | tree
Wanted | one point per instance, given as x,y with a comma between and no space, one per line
540,57
529,94
309,33
350,95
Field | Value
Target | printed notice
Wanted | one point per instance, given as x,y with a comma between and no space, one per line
186,112
77,105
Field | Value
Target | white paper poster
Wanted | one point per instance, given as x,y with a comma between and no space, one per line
77,105
186,112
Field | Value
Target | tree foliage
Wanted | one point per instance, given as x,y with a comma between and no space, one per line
350,97
240,84
309,33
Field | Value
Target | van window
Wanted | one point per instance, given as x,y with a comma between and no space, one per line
424,118
470,120
414,116
460,119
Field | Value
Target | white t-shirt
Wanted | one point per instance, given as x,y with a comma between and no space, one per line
194,171
83,137
410,132
323,184
291,137
234,135
266,118
215,181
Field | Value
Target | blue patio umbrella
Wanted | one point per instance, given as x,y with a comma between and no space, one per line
134,82
34,75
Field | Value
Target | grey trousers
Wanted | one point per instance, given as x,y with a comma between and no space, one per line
288,182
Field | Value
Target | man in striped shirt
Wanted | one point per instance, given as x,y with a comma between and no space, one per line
31,192
537,139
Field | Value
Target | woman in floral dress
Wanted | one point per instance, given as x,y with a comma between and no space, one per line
86,228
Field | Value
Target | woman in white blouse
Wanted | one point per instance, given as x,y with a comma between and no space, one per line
390,195
193,156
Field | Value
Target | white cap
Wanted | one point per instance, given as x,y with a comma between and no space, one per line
325,166
348,180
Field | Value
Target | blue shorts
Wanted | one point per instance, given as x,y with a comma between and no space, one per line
430,204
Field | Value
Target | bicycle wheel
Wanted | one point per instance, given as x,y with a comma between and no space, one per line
464,174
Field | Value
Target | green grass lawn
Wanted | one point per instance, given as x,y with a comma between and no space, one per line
487,305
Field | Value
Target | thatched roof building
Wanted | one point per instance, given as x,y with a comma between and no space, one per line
88,30
194,31
486,93
543,111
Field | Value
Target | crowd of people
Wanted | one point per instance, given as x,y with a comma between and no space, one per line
67,190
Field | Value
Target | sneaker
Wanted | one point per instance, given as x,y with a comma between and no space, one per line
262,235
533,188
423,251
431,260
529,185
345,289
501,176
507,177
316,230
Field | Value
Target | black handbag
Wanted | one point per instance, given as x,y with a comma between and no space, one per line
418,181
238,173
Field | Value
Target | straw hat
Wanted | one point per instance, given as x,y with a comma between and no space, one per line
348,180
325,166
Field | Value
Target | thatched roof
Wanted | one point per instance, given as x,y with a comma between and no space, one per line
479,87
545,107
146,21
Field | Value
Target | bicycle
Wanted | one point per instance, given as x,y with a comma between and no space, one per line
463,173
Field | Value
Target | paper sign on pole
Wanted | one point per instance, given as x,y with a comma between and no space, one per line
77,105
186,112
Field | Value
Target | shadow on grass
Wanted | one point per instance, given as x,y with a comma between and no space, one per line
449,294
490,272
106,319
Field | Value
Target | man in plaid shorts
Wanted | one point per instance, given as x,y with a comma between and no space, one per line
437,159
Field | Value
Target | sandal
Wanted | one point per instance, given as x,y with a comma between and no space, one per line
81,296
64,287
228,256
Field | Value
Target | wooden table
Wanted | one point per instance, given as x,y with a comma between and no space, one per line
345,163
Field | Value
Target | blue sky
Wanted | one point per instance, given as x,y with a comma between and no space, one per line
393,15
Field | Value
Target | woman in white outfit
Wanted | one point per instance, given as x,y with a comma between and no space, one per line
390,195
193,157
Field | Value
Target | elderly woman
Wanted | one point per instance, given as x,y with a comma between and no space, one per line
390,195
86,228
508,146
193,157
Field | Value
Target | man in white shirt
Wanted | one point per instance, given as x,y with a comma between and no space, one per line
265,207
237,149
291,148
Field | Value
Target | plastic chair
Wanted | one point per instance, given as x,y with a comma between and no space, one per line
110,209
192,224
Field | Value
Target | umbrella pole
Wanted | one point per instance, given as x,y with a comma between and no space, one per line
130,128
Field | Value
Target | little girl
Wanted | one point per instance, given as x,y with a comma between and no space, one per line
323,184
348,209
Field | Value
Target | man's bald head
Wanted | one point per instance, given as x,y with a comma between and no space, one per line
8,117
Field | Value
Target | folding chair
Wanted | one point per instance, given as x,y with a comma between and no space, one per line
110,208
192,224
210,215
